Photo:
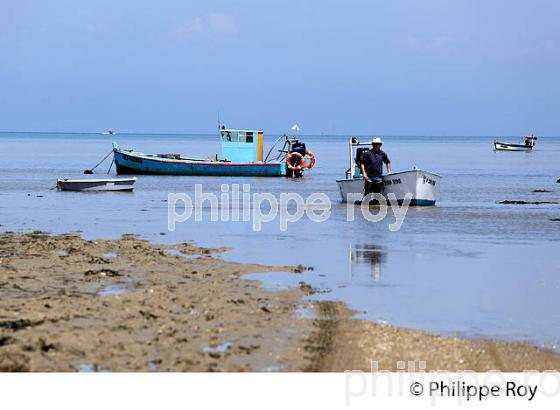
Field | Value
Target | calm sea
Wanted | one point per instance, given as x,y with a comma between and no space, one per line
467,267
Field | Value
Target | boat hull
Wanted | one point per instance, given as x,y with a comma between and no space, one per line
96,184
130,163
422,185
502,146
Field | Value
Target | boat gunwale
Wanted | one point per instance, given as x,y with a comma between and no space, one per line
507,144
393,173
83,181
147,157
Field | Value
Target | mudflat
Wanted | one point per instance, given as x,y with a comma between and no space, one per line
70,304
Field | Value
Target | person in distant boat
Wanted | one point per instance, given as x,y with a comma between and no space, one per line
530,140
372,167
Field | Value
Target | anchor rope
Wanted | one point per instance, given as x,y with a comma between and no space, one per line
101,162
111,166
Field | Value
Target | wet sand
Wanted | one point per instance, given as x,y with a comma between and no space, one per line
69,304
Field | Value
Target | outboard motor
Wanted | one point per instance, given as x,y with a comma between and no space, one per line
298,146
360,155
359,159
299,149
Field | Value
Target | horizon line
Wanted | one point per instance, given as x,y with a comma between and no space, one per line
274,134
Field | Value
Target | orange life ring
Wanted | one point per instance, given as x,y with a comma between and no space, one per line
311,156
297,167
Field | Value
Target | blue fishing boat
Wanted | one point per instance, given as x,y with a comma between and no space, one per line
242,155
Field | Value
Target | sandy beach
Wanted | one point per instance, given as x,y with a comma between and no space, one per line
70,304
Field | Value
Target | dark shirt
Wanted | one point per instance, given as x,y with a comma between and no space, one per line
373,162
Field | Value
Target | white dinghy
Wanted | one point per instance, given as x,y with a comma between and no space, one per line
102,184
528,143
419,186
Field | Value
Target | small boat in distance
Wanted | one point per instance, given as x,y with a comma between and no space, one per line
242,155
101,184
420,186
528,143
109,132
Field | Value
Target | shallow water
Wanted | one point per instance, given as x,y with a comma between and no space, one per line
112,290
468,266
221,348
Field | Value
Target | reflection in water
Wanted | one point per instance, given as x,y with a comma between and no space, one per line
363,254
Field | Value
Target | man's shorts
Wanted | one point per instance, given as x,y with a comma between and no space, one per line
373,187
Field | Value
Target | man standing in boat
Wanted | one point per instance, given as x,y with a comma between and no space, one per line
372,167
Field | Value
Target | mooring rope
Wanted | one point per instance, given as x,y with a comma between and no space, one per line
90,171
111,166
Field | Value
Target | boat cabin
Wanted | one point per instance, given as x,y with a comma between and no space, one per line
242,146
530,140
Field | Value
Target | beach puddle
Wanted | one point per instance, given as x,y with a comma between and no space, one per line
221,348
59,252
177,252
112,290
110,255
86,368
271,369
90,368
306,312
152,366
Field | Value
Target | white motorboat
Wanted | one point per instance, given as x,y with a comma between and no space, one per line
102,184
528,143
418,186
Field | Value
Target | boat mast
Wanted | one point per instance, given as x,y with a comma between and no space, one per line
351,158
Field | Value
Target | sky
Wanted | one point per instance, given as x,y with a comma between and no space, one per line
391,67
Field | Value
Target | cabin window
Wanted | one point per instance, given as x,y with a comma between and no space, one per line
230,136
246,137
238,136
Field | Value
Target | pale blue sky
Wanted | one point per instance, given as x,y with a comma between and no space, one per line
399,67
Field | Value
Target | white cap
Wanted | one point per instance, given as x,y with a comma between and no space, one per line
376,140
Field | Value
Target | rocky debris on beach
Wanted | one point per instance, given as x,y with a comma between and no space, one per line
52,317
189,248
196,314
300,268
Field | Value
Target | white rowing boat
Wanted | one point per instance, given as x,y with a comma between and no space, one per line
417,186
102,184
420,187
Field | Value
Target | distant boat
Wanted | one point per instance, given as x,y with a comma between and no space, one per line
109,132
528,143
103,184
242,155
422,186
